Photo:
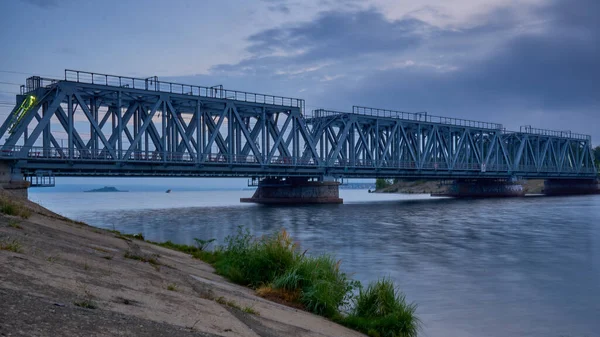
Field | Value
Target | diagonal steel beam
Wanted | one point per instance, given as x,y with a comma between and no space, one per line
181,130
141,131
94,124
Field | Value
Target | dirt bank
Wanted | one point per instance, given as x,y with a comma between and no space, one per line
53,271
534,186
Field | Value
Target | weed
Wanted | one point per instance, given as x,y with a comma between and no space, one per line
101,249
14,223
151,260
221,300
288,297
250,261
127,237
10,207
203,244
381,310
86,266
324,288
138,236
172,287
88,304
250,310
11,245
107,257
52,259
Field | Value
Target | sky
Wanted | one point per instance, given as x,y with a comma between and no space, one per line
526,62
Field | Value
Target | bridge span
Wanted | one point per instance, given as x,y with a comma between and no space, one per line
89,124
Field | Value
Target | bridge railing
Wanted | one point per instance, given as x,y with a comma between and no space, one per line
554,133
424,117
153,84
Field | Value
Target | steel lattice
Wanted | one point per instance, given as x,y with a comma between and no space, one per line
90,124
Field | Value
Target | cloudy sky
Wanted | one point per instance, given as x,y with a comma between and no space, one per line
506,61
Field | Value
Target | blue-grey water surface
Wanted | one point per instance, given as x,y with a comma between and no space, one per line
497,267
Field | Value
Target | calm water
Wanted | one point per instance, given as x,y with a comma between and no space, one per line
503,267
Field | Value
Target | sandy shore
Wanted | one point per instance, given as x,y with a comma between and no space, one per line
61,267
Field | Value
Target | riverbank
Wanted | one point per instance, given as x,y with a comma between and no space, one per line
534,186
60,277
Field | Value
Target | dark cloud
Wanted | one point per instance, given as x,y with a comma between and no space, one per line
544,72
282,8
335,36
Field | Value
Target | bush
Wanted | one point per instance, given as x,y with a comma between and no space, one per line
381,183
249,261
381,310
323,287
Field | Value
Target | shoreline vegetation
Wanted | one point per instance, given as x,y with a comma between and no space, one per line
274,266
421,186
75,278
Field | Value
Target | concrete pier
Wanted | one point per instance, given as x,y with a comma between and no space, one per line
275,191
483,188
12,180
571,186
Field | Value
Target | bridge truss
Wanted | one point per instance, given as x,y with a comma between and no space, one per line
93,124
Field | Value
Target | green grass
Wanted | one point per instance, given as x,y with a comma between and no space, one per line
274,265
14,224
221,300
10,207
88,304
251,311
323,287
172,287
151,260
381,310
11,245
254,261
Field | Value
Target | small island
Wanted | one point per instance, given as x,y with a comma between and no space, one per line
106,189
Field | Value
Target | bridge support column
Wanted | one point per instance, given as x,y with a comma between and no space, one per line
12,180
279,191
484,188
571,186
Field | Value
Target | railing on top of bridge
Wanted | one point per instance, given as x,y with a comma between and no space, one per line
554,133
153,84
409,116
424,117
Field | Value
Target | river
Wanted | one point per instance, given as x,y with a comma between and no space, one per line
498,267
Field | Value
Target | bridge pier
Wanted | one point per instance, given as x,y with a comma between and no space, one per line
12,180
286,191
571,186
483,188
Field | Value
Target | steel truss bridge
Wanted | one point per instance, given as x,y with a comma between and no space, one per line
94,124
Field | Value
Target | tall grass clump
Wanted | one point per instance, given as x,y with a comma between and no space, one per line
381,310
322,286
10,207
254,261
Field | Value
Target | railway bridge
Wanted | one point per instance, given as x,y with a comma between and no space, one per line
89,124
